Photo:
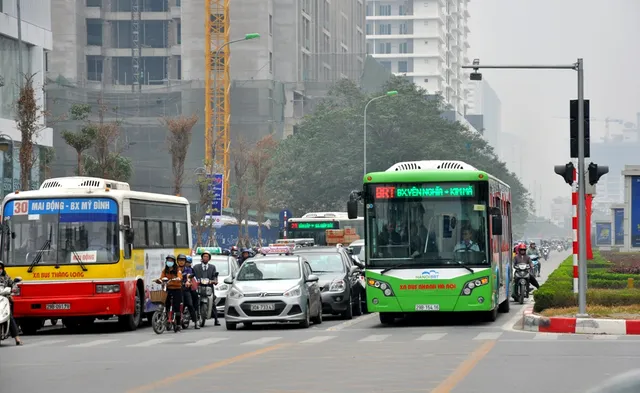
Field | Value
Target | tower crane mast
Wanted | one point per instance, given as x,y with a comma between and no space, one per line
217,86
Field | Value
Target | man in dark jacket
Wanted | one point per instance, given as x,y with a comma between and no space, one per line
205,270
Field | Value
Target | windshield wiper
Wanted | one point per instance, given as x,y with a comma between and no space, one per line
327,271
400,266
38,257
69,246
465,266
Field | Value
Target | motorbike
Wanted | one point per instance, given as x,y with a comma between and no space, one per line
206,293
521,282
536,265
5,310
164,319
545,253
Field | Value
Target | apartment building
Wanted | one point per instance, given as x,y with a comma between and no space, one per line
35,22
426,40
483,100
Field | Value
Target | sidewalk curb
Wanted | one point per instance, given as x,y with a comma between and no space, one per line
536,323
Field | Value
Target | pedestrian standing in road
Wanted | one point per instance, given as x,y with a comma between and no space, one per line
6,281
206,270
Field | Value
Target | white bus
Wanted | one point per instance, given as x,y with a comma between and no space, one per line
89,248
315,225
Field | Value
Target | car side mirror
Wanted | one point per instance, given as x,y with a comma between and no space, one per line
128,235
312,278
353,270
352,209
228,280
496,225
17,280
165,279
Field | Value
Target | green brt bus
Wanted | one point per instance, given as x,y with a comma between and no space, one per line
437,238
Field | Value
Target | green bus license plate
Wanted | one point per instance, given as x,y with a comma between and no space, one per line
427,307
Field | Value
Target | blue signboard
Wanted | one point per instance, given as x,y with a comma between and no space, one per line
69,209
285,215
603,234
635,211
217,189
618,226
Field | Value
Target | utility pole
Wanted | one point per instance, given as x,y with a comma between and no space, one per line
582,244
20,70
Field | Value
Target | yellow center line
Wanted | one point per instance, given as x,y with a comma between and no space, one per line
204,369
464,368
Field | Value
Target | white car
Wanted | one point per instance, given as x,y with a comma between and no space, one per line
226,266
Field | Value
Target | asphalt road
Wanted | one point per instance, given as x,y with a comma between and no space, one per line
451,354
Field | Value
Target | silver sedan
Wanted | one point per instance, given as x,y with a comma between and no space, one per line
273,289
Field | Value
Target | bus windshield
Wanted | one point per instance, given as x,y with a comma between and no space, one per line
425,225
62,231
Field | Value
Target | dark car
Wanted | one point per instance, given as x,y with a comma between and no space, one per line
341,292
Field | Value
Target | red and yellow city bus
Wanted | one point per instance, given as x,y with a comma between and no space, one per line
89,248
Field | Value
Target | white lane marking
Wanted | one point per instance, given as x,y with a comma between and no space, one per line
317,339
352,322
93,343
431,337
150,343
262,340
605,337
546,336
207,341
375,337
44,342
488,336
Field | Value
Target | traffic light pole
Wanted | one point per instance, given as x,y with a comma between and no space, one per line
582,224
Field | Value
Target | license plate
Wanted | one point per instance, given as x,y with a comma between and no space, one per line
263,307
62,306
427,307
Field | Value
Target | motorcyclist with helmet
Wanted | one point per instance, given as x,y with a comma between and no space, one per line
235,251
188,288
533,250
246,254
522,257
174,287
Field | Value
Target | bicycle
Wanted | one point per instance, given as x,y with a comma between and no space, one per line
163,319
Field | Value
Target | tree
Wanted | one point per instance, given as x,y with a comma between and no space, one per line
48,155
106,160
261,163
199,216
241,161
82,140
327,148
178,141
28,112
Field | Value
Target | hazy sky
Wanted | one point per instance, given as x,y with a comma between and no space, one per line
604,33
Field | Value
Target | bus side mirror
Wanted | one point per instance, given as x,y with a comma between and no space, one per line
496,225
352,209
128,236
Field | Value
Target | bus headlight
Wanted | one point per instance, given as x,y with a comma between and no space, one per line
469,286
108,288
381,285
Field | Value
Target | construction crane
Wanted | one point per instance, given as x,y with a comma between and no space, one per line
217,113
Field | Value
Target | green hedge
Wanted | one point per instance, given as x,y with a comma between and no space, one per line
604,287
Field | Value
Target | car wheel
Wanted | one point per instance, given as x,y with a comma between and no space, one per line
307,318
357,306
348,313
317,320
231,326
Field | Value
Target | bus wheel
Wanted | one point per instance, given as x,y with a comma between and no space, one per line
132,321
491,316
387,318
504,306
30,326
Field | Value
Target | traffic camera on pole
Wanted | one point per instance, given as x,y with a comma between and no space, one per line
596,172
565,171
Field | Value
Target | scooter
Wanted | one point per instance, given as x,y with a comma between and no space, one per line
536,265
206,293
5,310
521,282
545,253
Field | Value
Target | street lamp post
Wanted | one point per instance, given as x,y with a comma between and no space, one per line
247,37
387,94
578,66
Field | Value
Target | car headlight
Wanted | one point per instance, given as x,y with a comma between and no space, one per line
293,292
337,286
235,294
381,285
222,287
469,286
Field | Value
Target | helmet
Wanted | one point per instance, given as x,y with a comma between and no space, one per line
182,256
234,248
189,260
522,246
532,243
171,256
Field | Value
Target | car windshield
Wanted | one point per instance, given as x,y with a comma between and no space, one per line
61,231
425,225
324,263
269,269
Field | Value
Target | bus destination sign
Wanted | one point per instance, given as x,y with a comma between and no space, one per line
431,190
315,225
